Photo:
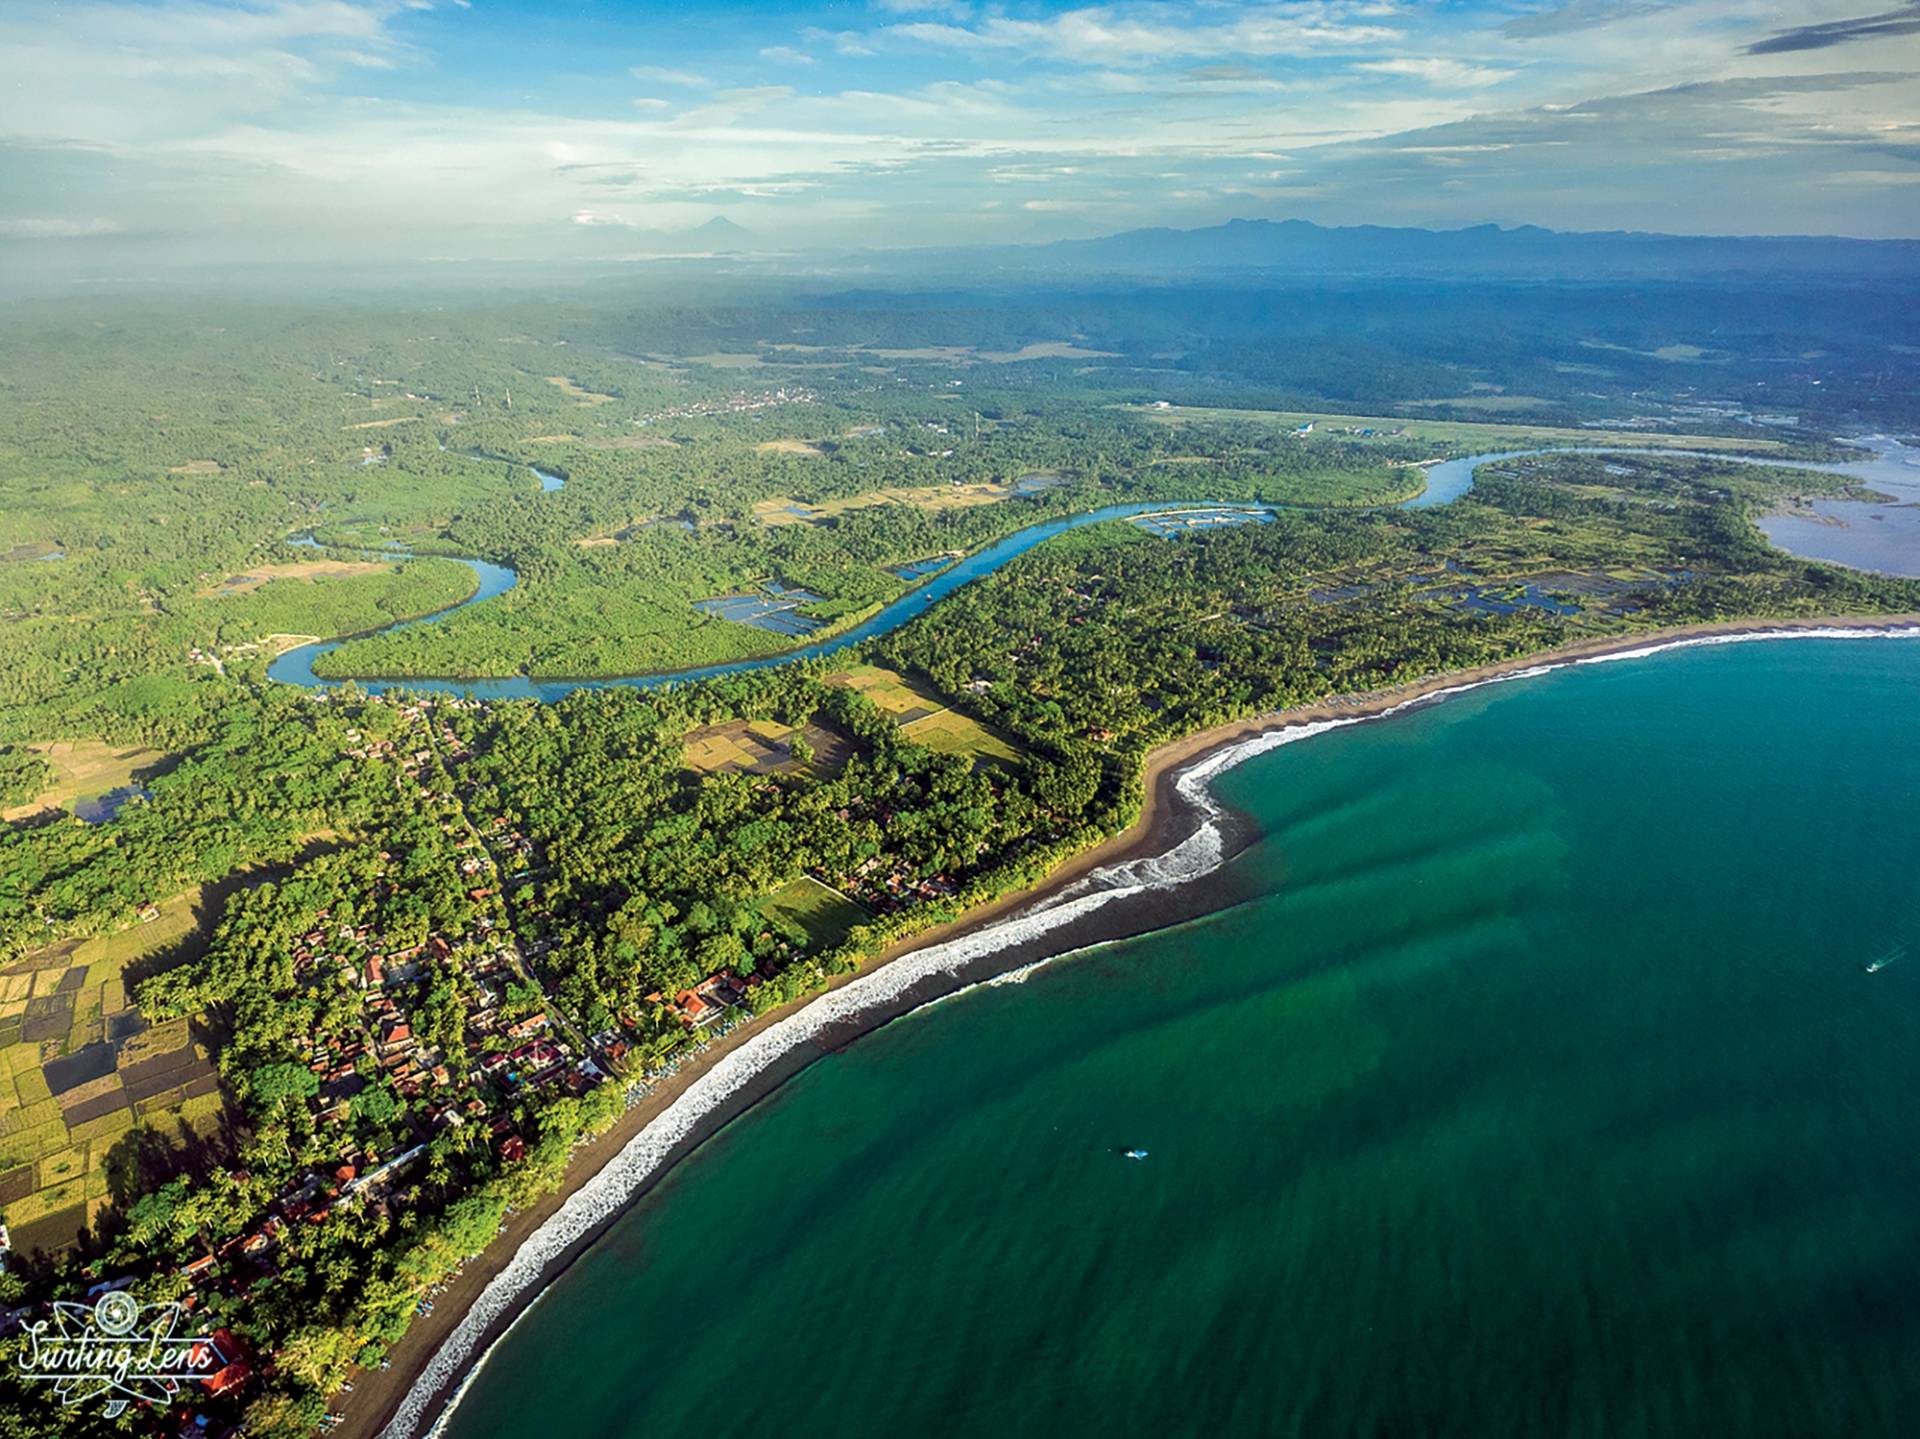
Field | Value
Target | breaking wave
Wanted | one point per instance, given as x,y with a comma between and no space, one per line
649,1151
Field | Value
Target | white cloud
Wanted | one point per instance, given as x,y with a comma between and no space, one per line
844,42
953,9
1455,74
663,75
111,70
786,55
263,123
56,228
1110,35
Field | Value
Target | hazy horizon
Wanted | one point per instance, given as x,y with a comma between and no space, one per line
374,131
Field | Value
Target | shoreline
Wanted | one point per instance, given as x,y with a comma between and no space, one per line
753,1061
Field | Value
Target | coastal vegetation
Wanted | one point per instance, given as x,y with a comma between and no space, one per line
292,1030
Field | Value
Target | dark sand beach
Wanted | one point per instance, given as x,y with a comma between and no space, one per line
1167,818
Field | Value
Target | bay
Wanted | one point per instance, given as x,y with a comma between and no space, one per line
1549,1070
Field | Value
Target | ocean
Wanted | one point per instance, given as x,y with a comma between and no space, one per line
1548,1068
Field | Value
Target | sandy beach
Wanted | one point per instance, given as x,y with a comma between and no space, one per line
380,1403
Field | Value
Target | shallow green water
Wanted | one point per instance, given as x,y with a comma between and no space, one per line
1536,1087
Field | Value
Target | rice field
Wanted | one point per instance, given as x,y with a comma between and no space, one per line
80,1070
924,718
761,747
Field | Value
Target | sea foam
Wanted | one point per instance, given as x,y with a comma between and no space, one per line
644,1156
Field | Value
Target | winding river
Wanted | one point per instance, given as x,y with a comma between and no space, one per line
1894,468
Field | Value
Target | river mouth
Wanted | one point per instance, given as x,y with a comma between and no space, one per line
1892,548
1882,536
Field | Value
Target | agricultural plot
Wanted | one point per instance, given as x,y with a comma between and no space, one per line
80,1070
925,719
82,768
762,747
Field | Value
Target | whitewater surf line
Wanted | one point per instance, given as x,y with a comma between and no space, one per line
651,1152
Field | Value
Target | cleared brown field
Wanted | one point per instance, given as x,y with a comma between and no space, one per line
761,747
785,511
294,570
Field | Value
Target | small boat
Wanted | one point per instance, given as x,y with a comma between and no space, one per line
1135,1153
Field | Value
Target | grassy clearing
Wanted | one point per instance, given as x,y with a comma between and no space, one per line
787,447
1046,350
607,442
82,768
577,392
1462,432
824,914
954,354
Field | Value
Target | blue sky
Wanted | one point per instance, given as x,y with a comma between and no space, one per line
470,128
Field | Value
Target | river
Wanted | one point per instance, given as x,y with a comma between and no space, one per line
1894,468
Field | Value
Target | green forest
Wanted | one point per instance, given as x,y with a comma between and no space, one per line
344,978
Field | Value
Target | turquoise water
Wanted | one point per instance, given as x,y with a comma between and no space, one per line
1533,1082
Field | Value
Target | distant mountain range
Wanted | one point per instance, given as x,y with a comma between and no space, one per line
1526,250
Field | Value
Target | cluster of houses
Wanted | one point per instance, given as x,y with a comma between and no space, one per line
738,403
883,885
708,1000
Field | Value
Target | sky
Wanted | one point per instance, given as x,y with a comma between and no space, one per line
465,129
